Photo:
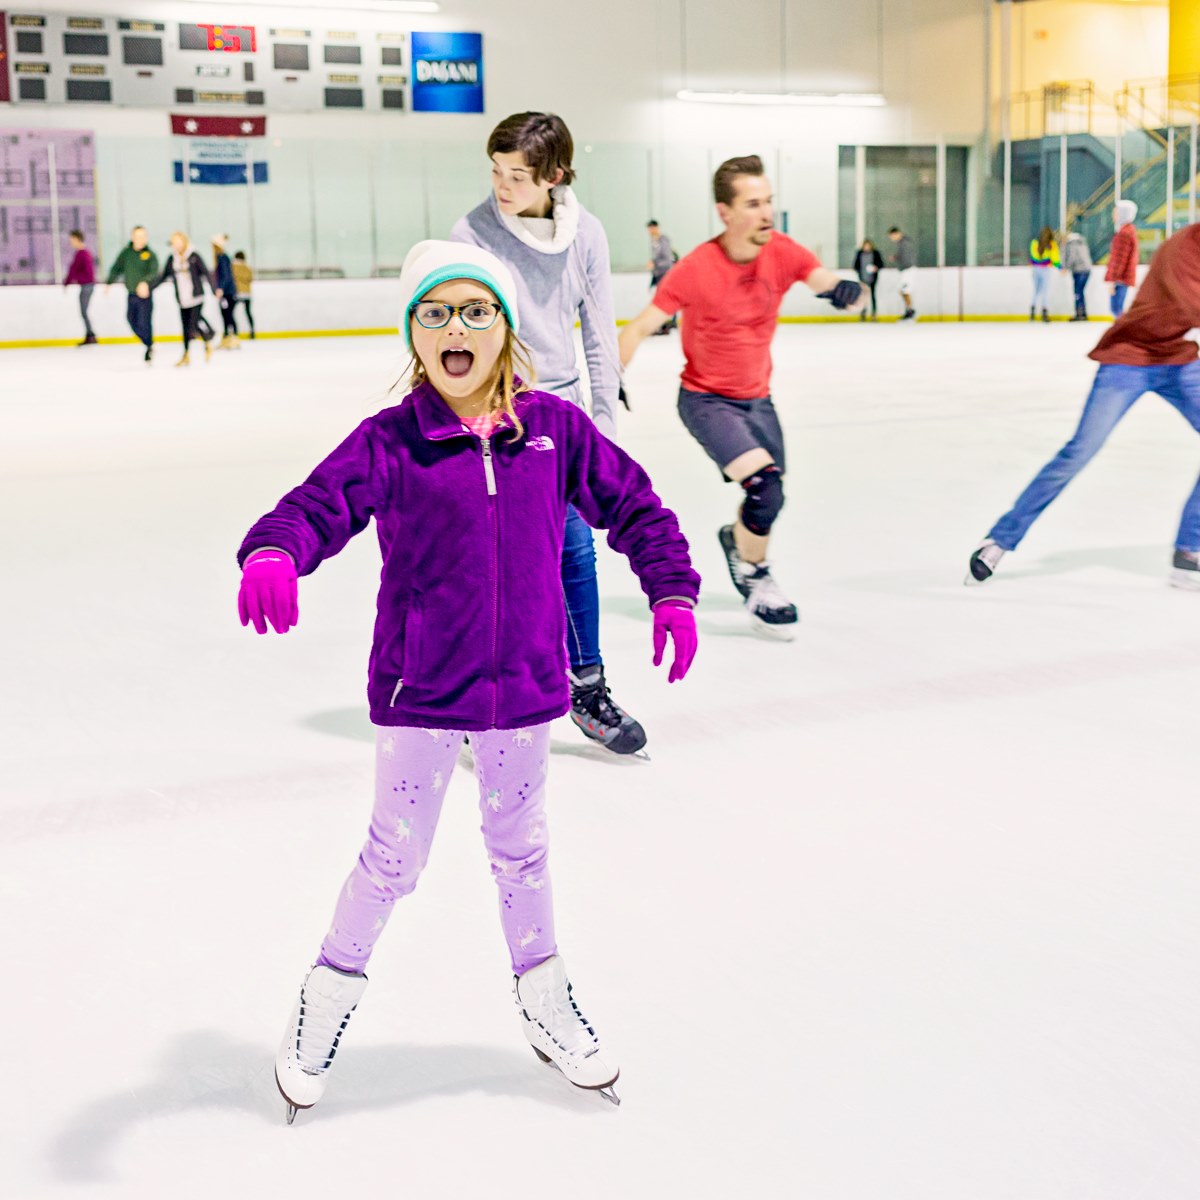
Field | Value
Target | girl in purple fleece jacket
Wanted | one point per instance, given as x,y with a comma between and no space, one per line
468,480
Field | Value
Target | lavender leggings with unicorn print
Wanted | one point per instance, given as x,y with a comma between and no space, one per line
412,771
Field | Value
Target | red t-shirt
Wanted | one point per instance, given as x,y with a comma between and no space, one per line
1167,306
730,311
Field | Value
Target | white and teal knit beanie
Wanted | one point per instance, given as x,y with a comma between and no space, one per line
431,263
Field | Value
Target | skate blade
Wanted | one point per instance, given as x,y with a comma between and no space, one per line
598,752
292,1108
1188,581
607,1090
774,633
971,581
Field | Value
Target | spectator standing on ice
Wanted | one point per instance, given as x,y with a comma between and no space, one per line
905,261
243,279
1122,255
662,259
83,272
1043,261
868,262
1077,262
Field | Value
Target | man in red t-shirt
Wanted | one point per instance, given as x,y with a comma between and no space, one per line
730,291
1146,350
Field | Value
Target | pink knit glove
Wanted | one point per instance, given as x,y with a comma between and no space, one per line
268,591
676,618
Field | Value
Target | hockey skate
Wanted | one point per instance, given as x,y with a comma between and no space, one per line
602,721
327,998
1185,570
733,560
772,614
559,1033
984,562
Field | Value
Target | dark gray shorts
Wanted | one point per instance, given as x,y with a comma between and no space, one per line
728,428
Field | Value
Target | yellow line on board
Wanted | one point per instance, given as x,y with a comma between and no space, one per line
54,343
51,343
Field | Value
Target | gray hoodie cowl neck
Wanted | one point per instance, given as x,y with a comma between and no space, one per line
558,282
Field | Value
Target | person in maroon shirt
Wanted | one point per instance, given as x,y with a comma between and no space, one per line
1122,255
1146,350
83,272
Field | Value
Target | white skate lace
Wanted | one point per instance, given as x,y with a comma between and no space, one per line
990,554
561,1018
766,593
320,1030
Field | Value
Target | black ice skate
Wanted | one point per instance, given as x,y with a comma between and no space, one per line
733,560
1185,570
984,562
599,719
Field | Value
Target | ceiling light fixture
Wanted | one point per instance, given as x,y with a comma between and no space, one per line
397,7
808,99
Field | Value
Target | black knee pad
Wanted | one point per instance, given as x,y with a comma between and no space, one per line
764,500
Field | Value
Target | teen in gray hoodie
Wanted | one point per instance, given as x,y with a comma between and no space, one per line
558,254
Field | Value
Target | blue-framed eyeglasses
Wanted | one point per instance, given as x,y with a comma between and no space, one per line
478,315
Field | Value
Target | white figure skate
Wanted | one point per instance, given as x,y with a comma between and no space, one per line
559,1033
327,998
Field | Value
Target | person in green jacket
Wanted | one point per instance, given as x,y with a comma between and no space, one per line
137,265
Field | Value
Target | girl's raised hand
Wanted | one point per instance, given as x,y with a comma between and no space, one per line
268,591
675,617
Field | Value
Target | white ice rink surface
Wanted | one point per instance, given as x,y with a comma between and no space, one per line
905,910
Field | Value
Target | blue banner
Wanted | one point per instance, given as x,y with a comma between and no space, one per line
447,72
220,174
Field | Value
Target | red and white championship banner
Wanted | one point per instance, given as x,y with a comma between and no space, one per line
5,94
208,127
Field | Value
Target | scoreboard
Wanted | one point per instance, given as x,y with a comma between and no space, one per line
54,58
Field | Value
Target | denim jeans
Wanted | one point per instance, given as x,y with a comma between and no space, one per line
1114,392
1041,286
1080,279
581,593
1118,299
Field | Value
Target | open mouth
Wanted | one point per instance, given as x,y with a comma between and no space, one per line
457,362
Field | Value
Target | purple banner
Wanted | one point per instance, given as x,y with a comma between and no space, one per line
34,245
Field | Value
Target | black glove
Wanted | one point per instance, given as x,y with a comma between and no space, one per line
624,399
844,295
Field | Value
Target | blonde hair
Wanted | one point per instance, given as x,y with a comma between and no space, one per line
514,360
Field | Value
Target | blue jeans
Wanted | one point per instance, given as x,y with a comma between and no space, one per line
1080,279
1118,299
581,593
1041,287
1113,394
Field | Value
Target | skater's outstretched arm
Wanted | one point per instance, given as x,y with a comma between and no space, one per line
647,322
822,280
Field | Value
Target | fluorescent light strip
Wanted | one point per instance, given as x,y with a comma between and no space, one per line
398,7
810,99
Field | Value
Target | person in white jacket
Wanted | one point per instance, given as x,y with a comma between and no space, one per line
557,252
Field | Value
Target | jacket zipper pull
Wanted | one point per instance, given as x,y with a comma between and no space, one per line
488,469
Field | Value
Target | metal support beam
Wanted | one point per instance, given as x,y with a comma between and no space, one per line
1063,156
860,194
1006,121
941,202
